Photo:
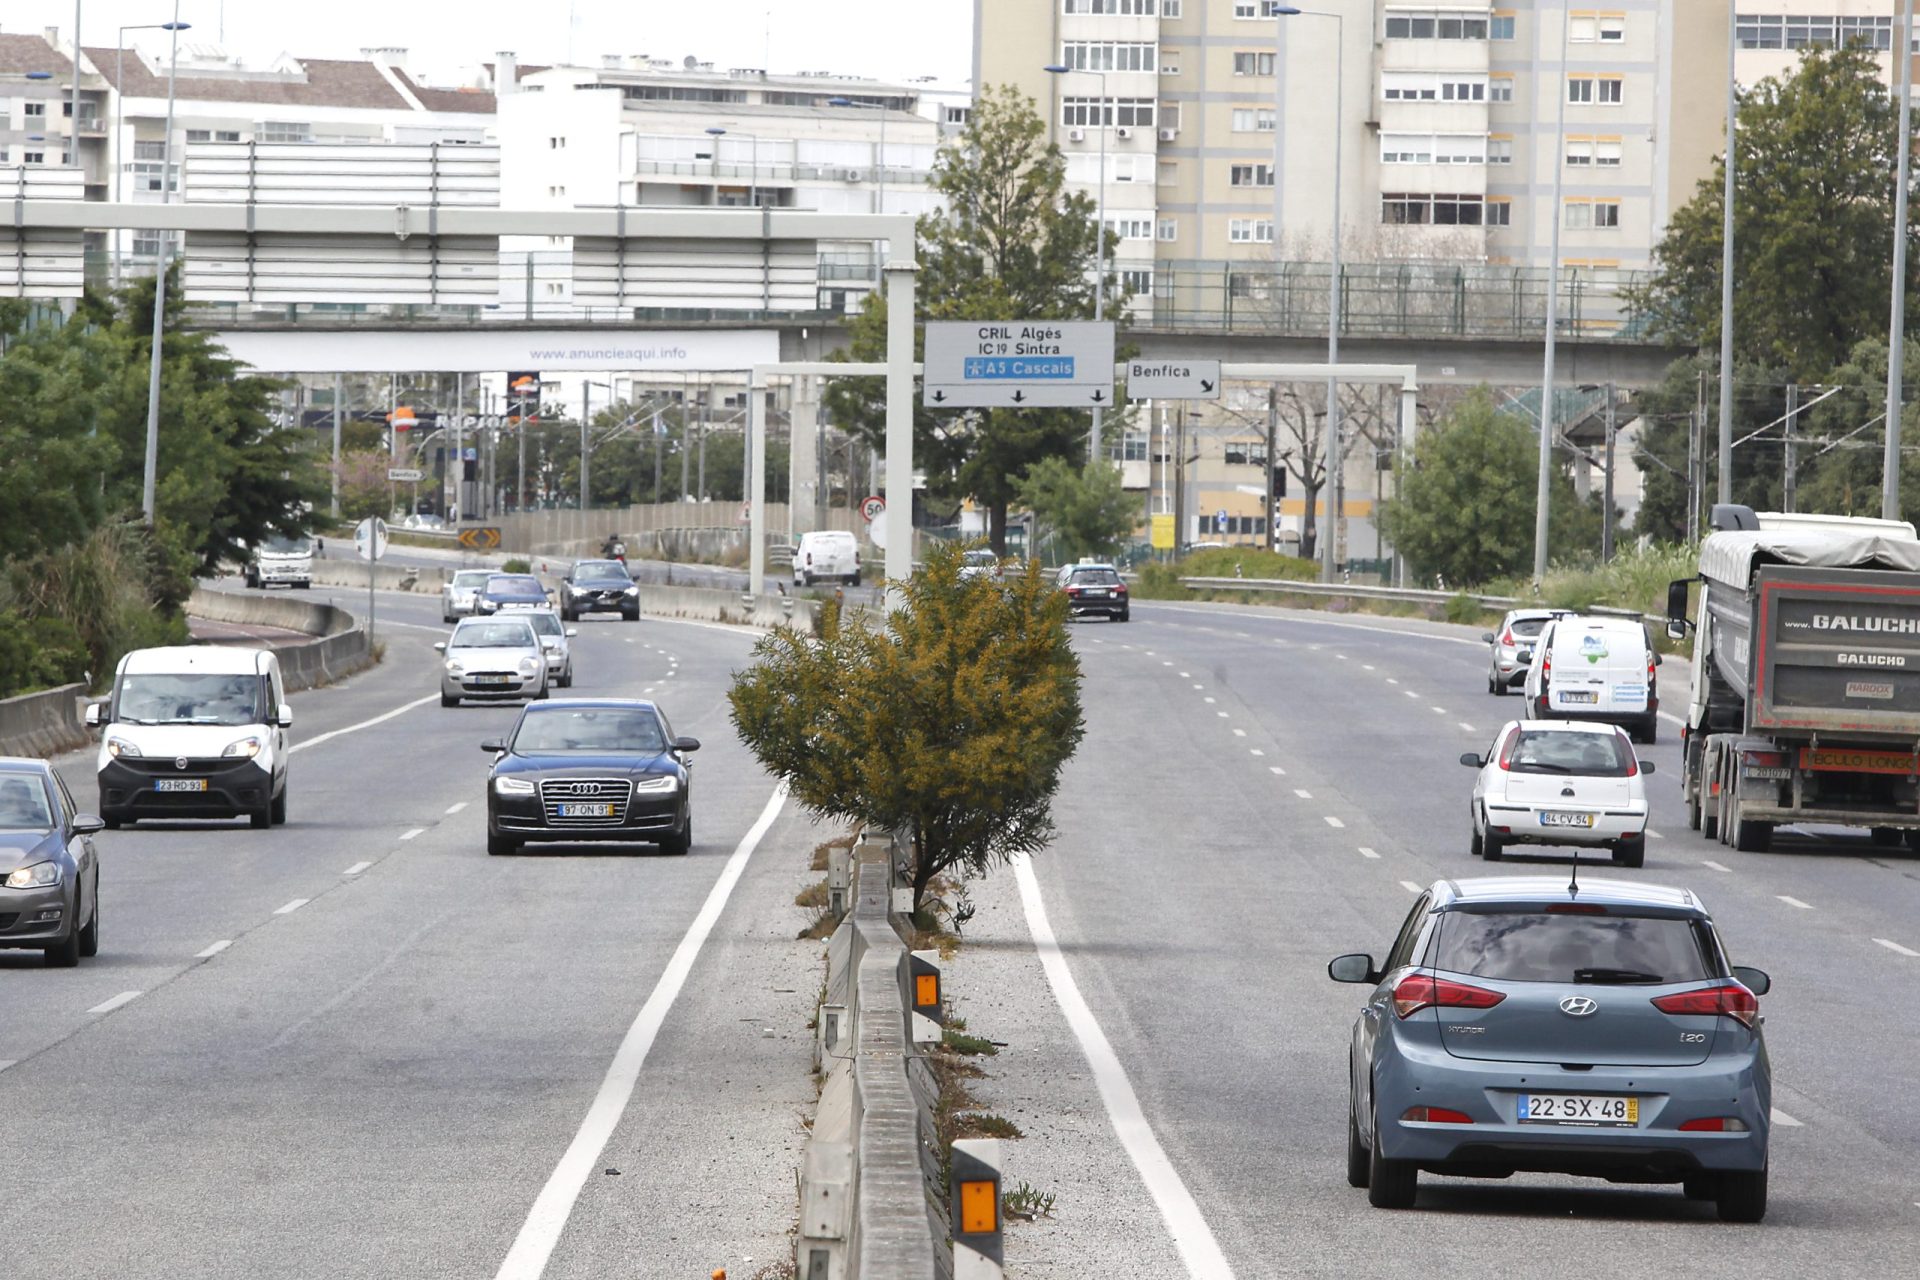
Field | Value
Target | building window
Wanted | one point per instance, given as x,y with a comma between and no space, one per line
1253,64
1250,230
1170,115
1400,148
1253,120
1606,152
1606,213
1109,55
1500,89
1613,29
1250,175
1131,228
1170,8
1581,28
1458,211
1405,88
1118,8
1440,209
34,157
1133,447
146,244
1095,113
1499,213
1463,148
1169,228
282,131
1798,31
226,135
1136,280
149,150
1463,91
199,135
1580,89
1500,27
33,109
1580,151
1405,210
1579,215
556,144
1169,173
1254,9
1499,150
1609,90
1422,24
1169,62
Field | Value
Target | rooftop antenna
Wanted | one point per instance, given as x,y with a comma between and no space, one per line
1573,885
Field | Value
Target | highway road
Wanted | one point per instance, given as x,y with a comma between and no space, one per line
358,1046
1260,790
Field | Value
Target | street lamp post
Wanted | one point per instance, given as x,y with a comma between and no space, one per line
1726,271
119,94
1102,116
1897,321
1544,485
1329,548
150,481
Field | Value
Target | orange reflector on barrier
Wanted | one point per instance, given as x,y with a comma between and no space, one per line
979,1207
926,990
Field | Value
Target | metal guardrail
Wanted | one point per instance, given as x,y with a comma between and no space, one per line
1411,595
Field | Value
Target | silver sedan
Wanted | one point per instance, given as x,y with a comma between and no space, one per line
458,596
492,659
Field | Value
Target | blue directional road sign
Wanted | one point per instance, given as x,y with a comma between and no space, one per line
1018,364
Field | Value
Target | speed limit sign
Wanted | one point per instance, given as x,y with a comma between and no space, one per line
873,508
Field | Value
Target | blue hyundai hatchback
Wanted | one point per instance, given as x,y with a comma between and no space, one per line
1531,1025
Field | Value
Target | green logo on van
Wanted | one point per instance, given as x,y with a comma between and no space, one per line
1593,648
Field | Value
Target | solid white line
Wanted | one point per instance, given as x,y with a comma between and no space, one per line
408,835
1192,1238
1896,948
402,709
1334,822
534,1245
292,907
1304,795
1278,770
457,807
1326,622
356,868
1410,886
213,950
1784,1120
1367,853
1793,902
108,1006
1709,862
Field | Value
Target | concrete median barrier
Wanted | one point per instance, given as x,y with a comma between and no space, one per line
386,577
339,646
44,723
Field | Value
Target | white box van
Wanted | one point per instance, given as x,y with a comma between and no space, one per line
281,560
1595,669
194,731
827,553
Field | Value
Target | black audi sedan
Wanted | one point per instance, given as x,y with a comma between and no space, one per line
49,876
590,769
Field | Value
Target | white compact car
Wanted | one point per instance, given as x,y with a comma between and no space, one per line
1595,669
458,596
1560,782
554,636
1510,649
194,731
490,659
827,553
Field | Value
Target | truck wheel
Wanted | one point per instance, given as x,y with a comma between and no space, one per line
1693,809
1709,813
1751,837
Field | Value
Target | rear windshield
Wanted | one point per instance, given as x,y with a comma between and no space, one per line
189,699
23,804
501,584
1542,946
546,624
981,558
1593,755
1095,577
1528,628
471,578
493,635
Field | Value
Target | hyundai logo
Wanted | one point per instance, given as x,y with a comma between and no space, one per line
1578,1006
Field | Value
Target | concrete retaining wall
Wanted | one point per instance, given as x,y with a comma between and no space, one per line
44,723
387,577
339,647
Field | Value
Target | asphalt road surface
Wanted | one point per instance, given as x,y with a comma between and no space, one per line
1261,790
358,1046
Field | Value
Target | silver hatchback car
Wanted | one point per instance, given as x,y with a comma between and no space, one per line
1521,1025
492,658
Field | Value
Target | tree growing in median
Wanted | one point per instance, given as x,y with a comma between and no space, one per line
1086,507
949,721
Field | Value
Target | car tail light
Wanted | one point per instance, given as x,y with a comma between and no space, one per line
1436,1115
1731,999
1715,1124
1120,590
1506,751
1073,591
1506,637
1418,990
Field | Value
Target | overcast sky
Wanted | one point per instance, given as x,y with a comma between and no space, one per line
883,38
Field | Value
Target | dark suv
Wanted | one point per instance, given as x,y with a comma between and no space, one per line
599,586
1095,588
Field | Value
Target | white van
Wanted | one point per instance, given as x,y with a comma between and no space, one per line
194,731
1595,669
827,553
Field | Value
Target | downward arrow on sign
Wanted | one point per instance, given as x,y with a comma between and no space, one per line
939,396
1098,396
1019,397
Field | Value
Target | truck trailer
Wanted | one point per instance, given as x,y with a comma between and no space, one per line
1805,701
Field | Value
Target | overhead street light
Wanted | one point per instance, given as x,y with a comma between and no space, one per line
150,482
1102,118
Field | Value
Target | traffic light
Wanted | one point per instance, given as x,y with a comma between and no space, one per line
1279,481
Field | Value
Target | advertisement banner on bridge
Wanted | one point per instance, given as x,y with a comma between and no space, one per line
480,350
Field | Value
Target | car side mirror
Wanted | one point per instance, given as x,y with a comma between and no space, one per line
686,744
95,715
1487,638
1676,629
1646,766
283,716
1352,968
1473,761
1754,980
572,632
494,745
439,646
85,824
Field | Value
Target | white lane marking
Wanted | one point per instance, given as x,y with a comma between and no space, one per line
1366,666
1367,853
1654,835
108,1006
1410,693
629,640
1673,719
213,950
292,907
1794,902
667,676
1192,1238
1784,1120
1238,733
1186,675
356,868
456,807
1166,664
1410,886
1256,751
400,710
1303,794
1709,862
1334,822
1439,711
1199,686
1150,653
1278,771
1896,948
1341,656
547,1219
1464,725
413,626
1209,699
648,689
1391,680
408,835
1325,622
7,1062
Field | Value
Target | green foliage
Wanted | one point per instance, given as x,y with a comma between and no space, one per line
949,721
516,566
364,488
1010,243
1813,222
79,608
1087,508
1247,562
1465,510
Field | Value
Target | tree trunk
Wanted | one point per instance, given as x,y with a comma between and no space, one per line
997,528
1309,526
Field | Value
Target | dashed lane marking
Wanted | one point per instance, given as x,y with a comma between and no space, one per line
1303,794
1784,1120
1465,726
1333,821
1239,733
1367,853
1709,862
1391,680
1278,771
456,807
1654,835
115,1002
1896,948
7,1062
356,868
292,907
213,950
1209,699
1439,711
1410,886
408,835
1794,902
